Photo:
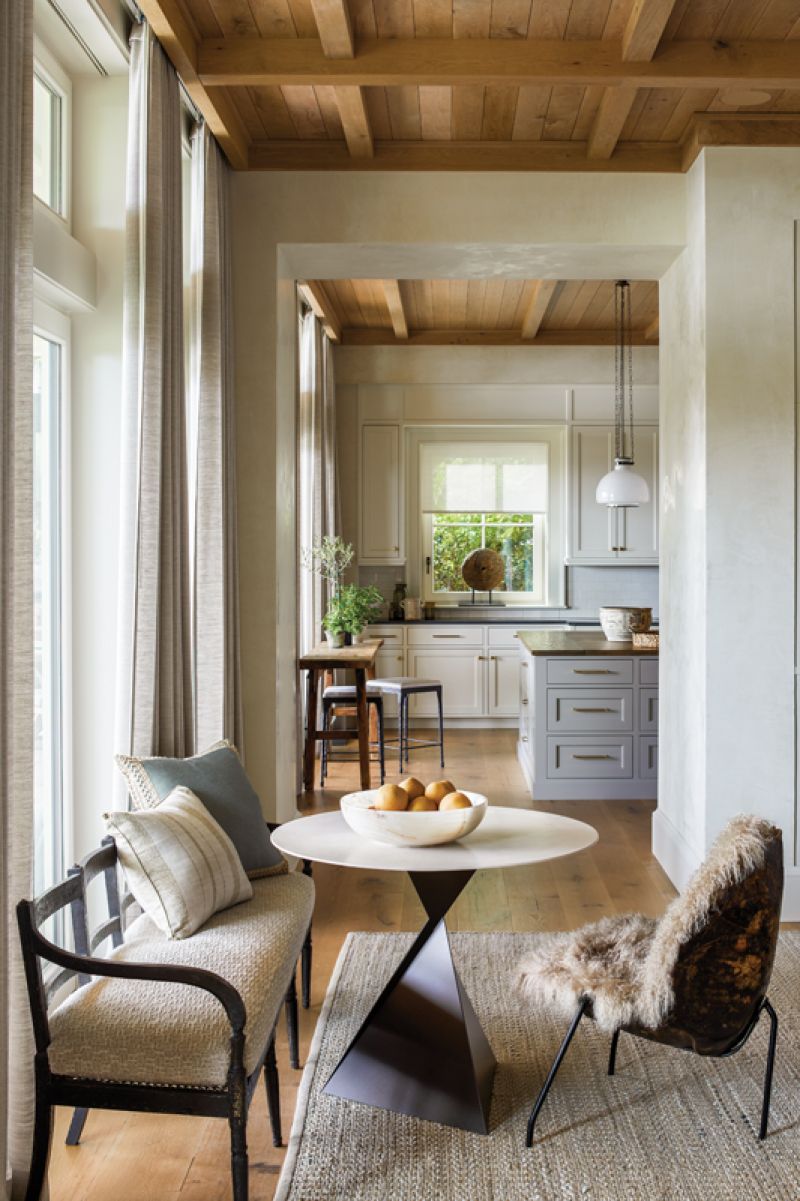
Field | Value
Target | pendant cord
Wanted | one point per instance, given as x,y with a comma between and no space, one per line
623,372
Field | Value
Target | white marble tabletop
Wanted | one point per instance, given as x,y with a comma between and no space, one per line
505,838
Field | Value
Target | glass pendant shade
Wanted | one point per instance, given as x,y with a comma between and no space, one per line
622,488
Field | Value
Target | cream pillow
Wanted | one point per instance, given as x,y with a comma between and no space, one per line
179,863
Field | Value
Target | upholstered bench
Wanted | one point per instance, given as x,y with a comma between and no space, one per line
161,1025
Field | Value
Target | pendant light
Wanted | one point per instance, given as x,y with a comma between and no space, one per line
623,488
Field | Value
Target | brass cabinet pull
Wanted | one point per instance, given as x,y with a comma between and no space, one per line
524,701
578,709
448,635
481,658
523,737
592,756
592,671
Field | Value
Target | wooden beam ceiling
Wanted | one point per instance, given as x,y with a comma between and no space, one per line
394,302
355,336
336,37
390,62
319,302
542,295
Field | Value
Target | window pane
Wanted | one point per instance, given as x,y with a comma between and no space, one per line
515,544
46,144
47,616
454,537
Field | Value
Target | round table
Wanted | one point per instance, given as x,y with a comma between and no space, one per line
421,1050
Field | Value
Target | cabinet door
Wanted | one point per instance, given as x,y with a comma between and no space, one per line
638,528
592,527
381,509
463,677
390,662
503,683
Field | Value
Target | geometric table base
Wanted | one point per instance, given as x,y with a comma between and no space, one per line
421,1050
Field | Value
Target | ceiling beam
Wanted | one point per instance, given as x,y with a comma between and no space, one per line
651,331
168,23
542,295
336,36
491,337
355,122
397,312
327,155
739,129
318,301
646,24
335,30
396,62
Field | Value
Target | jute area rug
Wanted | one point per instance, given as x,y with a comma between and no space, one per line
668,1127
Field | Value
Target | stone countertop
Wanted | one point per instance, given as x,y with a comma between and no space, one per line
573,642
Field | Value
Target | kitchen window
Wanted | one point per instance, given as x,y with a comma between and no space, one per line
518,537
51,99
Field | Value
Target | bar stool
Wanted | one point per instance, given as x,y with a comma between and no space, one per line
341,695
403,687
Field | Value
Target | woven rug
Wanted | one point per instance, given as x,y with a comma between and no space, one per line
668,1127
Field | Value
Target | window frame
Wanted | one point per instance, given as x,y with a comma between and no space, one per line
539,523
49,71
55,327
419,524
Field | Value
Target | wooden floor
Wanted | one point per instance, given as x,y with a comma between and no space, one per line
156,1158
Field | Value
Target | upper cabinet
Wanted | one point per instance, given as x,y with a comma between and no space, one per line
380,528
600,536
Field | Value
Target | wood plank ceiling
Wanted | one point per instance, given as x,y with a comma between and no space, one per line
487,312
486,84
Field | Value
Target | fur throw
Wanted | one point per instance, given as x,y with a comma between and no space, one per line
624,964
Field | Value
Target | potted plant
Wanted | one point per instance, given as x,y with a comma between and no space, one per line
335,620
363,605
329,559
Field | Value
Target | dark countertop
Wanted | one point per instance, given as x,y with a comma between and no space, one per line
574,642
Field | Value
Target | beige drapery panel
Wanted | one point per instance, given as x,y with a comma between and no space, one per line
218,700
317,496
16,574
154,696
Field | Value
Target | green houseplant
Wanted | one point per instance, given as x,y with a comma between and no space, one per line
350,610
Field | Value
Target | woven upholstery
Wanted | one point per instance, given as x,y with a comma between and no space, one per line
345,692
154,1033
404,684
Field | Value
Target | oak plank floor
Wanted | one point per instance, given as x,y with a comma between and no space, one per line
132,1157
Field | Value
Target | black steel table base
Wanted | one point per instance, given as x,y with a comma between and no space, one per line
421,1050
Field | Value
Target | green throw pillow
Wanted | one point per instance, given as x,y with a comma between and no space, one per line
218,778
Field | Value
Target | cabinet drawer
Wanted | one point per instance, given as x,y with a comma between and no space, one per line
648,710
443,637
648,671
505,637
648,757
584,759
392,635
589,671
591,711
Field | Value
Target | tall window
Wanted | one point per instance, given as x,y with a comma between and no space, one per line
49,371
48,143
491,495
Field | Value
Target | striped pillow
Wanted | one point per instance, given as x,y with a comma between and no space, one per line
179,863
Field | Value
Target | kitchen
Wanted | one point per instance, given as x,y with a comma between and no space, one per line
405,410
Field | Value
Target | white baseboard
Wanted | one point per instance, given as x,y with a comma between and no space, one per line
679,861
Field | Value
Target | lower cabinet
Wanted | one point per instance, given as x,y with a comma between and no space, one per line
502,683
462,673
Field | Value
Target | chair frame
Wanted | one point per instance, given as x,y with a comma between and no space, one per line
327,755
584,1006
230,1101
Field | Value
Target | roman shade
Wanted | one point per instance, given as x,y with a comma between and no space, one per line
479,477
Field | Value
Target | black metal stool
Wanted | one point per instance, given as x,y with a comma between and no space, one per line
403,687
341,695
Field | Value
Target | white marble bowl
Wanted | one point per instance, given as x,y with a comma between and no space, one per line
620,622
403,829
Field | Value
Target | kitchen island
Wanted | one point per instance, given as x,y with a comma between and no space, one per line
588,717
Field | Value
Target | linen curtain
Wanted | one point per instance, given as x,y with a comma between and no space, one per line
16,576
217,674
317,492
154,699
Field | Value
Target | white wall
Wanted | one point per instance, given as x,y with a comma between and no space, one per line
728,400
295,225
100,109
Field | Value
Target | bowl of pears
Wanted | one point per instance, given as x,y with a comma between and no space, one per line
413,814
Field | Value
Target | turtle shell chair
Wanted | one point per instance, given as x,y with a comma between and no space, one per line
696,979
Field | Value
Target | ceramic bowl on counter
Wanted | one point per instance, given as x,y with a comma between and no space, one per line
621,622
404,829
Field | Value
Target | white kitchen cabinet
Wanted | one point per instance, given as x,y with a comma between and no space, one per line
389,662
600,536
463,676
380,525
503,683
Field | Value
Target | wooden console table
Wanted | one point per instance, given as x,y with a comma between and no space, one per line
322,658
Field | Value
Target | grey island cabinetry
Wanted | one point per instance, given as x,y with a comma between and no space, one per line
588,720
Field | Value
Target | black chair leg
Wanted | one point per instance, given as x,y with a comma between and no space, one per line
306,954
540,1100
239,1172
290,1005
381,745
323,759
400,709
42,1135
612,1056
441,725
273,1093
773,1042
76,1127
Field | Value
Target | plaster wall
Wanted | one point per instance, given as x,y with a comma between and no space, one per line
288,225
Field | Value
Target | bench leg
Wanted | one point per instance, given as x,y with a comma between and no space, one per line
273,1094
290,1005
305,957
42,1134
239,1158
76,1127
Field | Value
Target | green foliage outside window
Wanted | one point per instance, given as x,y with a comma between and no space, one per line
455,535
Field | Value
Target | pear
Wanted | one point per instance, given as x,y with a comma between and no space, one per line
455,800
391,796
439,789
422,804
413,787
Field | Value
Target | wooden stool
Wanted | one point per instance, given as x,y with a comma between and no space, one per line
340,695
403,687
